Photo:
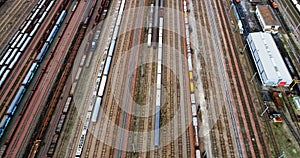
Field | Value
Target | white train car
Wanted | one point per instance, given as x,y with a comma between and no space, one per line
159,54
107,66
12,64
3,78
82,60
22,40
41,5
26,26
25,44
34,14
96,109
150,25
190,65
112,48
36,27
78,74
14,37
16,41
50,6
298,8
195,122
102,86
83,135
2,62
67,105
11,57
73,9
73,88
194,110
294,2
159,67
42,17
158,82
198,153
2,70
61,17
149,39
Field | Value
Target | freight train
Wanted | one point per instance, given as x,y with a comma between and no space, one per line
102,11
158,84
25,83
150,25
101,81
17,46
192,89
21,39
59,127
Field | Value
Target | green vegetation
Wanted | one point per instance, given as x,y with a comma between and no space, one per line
285,141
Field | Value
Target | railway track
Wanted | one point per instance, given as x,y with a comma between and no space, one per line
13,20
174,110
292,12
166,77
291,127
221,136
124,70
38,110
143,96
151,119
288,36
109,115
24,63
174,42
232,73
69,125
183,74
258,144
294,120
127,116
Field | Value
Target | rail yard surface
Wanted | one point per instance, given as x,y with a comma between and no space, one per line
146,78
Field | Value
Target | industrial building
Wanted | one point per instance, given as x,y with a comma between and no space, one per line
267,19
269,63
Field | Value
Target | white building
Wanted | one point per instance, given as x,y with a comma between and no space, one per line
269,63
267,19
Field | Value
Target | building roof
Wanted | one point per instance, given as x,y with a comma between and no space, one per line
270,57
268,15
